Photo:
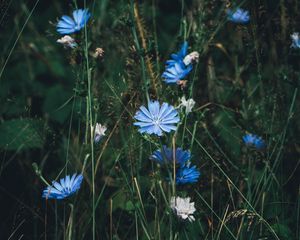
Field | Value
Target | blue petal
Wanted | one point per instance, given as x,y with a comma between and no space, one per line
167,128
77,15
143,124
68,181
183,50
148,129
86,16
145,111
64,31
77,182
68,20
57,186
154,107
142,117
72,179
170,114
170,121
168,76
65,25
62,182
164,110
50,192
156,130
179,56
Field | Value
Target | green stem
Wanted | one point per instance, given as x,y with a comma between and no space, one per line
183,133
90,121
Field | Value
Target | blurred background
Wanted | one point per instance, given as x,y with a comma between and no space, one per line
246,80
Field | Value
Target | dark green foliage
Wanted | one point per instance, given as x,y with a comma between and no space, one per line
22,134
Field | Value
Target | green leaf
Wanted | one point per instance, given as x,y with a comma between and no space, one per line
21,134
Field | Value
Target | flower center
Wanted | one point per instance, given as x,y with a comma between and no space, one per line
156,121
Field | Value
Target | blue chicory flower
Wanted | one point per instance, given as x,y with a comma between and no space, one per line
64,188
254,140
176,72
176,69
295,40
179,56
187,174
68,25
165,156
156,119
238,16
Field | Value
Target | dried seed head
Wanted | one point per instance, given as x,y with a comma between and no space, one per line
191,58
67,41
98,53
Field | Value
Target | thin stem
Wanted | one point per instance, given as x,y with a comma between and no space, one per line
90,121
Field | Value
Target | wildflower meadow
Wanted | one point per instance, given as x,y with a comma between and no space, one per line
150,120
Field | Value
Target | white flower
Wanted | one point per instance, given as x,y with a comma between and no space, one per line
183,208
190,58
188,104
67,41
99,132
295,40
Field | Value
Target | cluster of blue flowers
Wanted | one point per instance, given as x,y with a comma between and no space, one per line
181,63
157,118
184,172
163,118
